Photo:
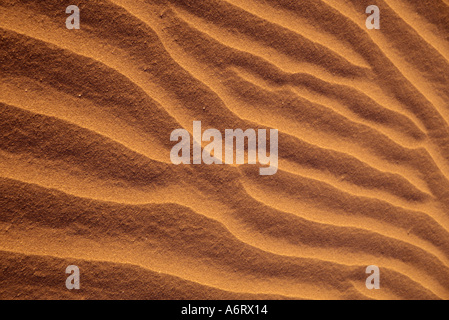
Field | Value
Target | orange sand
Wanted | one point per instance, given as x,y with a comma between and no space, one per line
85,171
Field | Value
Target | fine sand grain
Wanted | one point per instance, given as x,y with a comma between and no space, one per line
85,171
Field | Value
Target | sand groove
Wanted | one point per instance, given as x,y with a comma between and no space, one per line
85,171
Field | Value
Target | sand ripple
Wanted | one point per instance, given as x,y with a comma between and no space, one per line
85,172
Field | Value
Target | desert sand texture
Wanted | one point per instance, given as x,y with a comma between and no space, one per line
85,171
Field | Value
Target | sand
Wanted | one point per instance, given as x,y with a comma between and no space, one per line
85,171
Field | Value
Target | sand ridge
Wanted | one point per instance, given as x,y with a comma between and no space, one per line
85,171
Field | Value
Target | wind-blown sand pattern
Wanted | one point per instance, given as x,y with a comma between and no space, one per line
85,171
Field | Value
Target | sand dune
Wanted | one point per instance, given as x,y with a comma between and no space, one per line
85,171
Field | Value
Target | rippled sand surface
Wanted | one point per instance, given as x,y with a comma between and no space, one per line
85,172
